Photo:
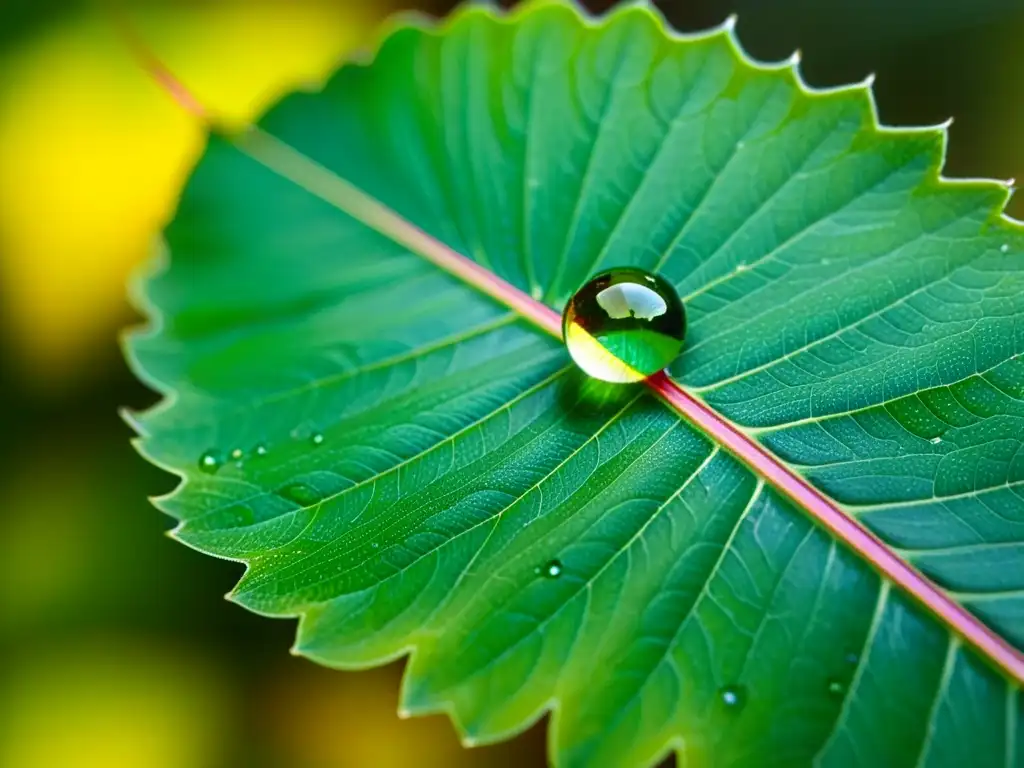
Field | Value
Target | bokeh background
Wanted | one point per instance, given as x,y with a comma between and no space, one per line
118,647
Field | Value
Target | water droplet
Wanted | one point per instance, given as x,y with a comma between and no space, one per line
236,454
210,462
375,545
260,450
317,438
935,440
734,696
300,493
1004,248
552,569
836,688
851,658
624,325
743,267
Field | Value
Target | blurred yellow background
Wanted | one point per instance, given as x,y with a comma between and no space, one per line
119,649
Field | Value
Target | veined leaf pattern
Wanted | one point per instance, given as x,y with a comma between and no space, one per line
402,456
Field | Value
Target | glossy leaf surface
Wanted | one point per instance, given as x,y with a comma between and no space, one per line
400,460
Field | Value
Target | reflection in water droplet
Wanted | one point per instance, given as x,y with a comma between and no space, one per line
210,462
237,454
836,688
317,438
552,569
734,696
624,325
301,494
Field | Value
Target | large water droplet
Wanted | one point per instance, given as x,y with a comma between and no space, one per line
624,325
210,462
300,493
734,696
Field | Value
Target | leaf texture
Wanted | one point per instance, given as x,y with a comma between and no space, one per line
400,459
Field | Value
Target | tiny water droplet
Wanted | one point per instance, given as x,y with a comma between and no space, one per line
375,545
836,688
935,440
210,462
552,569
742,266
624,325
734,696
851,658
236,454
317,438
1004,248
261,450
300,493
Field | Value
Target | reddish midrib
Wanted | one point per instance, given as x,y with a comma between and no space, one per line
319,181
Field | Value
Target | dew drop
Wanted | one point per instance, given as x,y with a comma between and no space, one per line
236,454
300,493
935,440
260,450
551,569
1004,248
734,696
851,658
836,688
210,462
317,438
624,325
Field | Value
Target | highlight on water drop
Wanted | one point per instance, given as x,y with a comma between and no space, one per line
836,688
210,462
552,569
624,325
733,696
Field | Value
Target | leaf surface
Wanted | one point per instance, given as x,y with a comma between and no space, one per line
403,463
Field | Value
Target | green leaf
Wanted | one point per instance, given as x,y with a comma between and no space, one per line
400,459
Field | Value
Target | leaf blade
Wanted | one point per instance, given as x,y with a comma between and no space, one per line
388,634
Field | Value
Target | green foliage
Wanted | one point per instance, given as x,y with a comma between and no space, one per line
407,467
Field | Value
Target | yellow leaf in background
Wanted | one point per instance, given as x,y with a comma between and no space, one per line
93,154
110,703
